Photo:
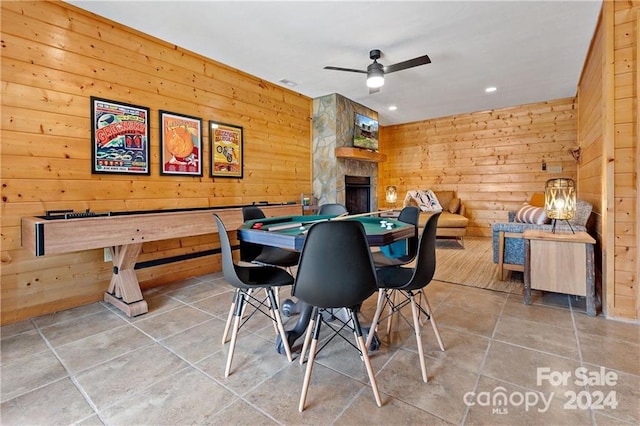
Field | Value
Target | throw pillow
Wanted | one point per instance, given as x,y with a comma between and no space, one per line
426,200
454,205
531,214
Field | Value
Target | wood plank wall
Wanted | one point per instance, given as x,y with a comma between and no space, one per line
54,57
608,131
492,159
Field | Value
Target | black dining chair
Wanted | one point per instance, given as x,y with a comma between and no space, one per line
261,255
409,282
332,209
410,215
246,280
329,279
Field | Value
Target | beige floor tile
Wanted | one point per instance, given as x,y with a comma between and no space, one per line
187,397
28,373
241,413
158,304
520,366
93,350
462,349
64,332
490,302
59,402
126,375
254,361
627,397
534,335
364,411
329,394
475,322
16,328
16,346
198,290
71,314
217,305
198,342
172,322
441,396
556,317
611,353
600,326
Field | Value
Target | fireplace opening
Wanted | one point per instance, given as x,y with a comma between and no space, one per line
357,194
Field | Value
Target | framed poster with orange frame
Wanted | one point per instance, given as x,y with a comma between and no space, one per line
227,150
180,144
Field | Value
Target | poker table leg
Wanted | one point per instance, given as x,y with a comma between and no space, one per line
298,330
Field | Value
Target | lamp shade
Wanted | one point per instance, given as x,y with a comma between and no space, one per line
391,194
560,198
375,75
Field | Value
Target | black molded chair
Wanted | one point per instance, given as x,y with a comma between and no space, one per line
332,209
329,279
266,255
409,283
409,214
246,279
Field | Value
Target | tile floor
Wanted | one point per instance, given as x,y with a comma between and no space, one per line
92,365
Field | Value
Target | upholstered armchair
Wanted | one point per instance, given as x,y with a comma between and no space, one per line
508,244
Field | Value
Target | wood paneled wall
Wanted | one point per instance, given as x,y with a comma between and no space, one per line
492,159
608,129
54,57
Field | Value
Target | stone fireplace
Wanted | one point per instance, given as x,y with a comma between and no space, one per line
333,120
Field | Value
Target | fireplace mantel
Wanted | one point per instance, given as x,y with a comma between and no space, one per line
359,154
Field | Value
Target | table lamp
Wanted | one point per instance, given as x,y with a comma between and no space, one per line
560,200
391,195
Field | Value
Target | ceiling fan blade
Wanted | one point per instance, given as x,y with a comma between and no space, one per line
373,90
421,60
344,69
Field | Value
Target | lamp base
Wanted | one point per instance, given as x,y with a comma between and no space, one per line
553,227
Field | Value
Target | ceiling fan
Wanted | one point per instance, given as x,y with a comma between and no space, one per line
376,71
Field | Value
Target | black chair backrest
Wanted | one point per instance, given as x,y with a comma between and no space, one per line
426,257
410,214
335,269
252,212
331,209
228,267
249,251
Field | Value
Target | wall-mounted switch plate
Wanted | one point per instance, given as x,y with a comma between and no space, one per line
555,169
107,254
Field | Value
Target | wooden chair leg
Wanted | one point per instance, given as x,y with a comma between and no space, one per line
234,331
232,308
433,321
275,313
376,317
417,329
312,357
308,334
365,356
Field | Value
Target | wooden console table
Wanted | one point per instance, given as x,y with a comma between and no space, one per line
561,262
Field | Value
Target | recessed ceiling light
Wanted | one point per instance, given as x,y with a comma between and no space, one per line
288,82
490,89
393,108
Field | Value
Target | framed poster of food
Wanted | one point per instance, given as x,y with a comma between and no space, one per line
227,150
119,137
180,144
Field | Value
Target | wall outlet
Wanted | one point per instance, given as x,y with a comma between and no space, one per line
554,169
107,254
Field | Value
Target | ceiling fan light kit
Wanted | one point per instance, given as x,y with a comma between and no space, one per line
376,71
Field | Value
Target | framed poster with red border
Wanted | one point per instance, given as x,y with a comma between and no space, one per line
119,137
180,144
227,150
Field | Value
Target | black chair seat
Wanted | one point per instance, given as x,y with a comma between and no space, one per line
277,256
263,276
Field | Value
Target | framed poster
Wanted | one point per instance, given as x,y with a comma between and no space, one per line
180,144
120,137
226,150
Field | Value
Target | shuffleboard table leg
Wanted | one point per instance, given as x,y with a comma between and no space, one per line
124,290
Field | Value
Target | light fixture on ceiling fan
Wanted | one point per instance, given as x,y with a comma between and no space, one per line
376,71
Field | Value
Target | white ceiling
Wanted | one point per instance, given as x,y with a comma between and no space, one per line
530,50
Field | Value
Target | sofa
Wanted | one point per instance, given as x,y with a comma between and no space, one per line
452,222
508,244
